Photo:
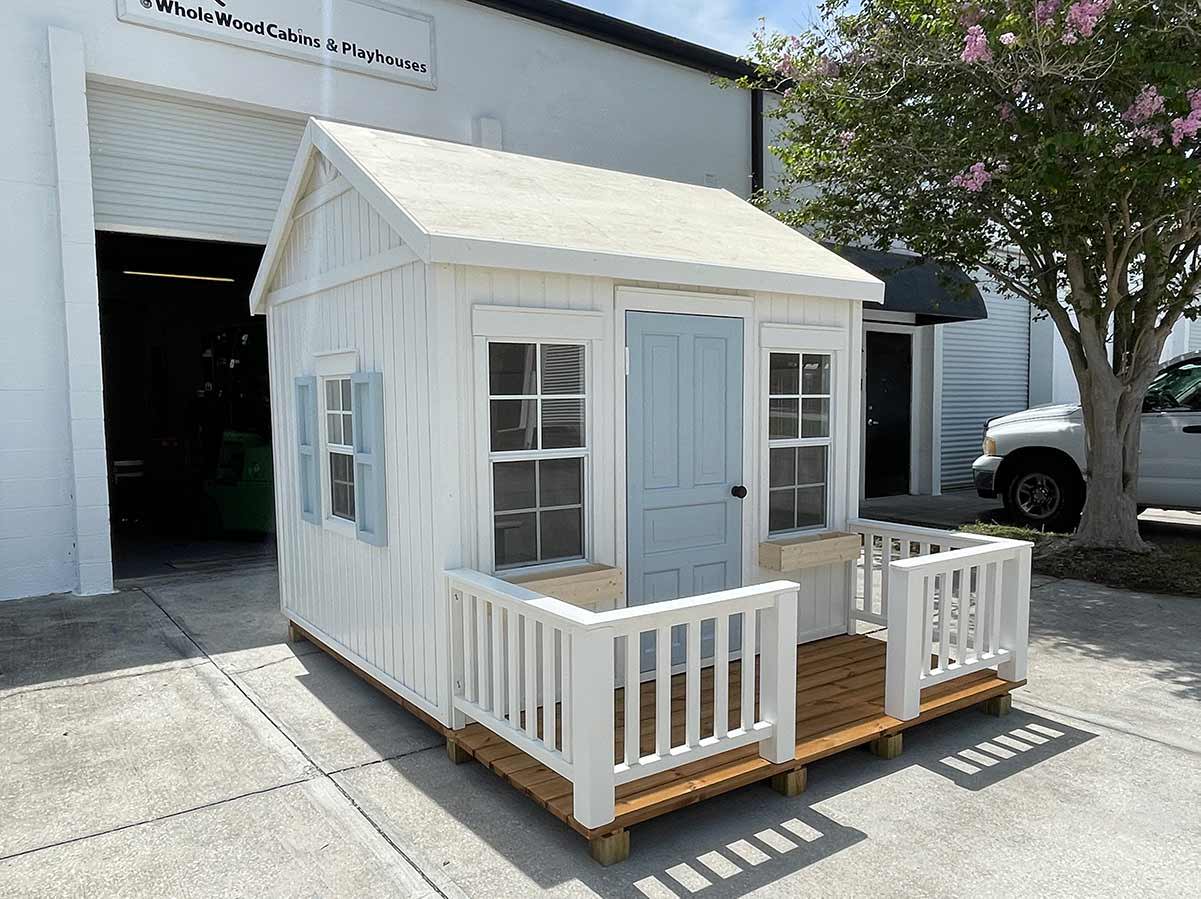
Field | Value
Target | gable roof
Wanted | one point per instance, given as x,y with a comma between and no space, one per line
459,204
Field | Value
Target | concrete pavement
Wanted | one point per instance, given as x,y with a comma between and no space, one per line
167,741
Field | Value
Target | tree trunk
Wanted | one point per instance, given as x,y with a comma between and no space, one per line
1112,425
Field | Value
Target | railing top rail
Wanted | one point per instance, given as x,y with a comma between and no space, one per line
928,535
627,619
755,596
956,558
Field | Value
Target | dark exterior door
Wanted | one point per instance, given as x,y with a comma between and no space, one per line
889,400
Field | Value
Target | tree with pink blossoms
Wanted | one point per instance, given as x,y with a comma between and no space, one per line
1054,145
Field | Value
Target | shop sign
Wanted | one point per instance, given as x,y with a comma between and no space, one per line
374,37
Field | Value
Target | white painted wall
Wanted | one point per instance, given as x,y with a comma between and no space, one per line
547,92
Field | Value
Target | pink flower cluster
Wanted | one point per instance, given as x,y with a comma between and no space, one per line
1082,19
1188,126
1009,39
845,138
1006,111
1045,10
975,46
974,179
1146,105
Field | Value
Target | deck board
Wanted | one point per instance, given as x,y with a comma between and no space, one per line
840,705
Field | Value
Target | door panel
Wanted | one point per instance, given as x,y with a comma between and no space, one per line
1170,464
684,440
889,400
684,454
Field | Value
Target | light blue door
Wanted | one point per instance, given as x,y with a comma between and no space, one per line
683,457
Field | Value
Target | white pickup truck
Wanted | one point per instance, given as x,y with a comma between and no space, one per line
1034,459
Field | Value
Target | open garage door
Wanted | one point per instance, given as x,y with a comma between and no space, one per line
166,166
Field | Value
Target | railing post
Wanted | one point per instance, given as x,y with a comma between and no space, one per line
457,671
903,657
777,697
592,732
1015,614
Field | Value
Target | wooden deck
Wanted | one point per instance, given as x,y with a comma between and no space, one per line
840,705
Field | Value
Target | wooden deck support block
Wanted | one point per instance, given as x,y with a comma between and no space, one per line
612,848
998,705
456,753
790,783
295,634
886,747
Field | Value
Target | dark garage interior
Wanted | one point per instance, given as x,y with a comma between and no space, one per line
187,414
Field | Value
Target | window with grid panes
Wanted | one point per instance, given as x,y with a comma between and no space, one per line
798,441
339,445
537,402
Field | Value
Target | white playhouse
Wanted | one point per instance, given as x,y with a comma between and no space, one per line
560,449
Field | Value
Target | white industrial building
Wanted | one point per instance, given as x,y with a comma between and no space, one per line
147,145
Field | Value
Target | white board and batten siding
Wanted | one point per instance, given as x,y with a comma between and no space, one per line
164,165
372,604
985,373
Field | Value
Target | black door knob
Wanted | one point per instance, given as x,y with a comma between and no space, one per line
739,491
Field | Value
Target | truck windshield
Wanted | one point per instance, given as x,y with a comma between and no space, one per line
1178,387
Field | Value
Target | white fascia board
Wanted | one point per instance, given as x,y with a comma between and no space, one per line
410,230
282,226
526,257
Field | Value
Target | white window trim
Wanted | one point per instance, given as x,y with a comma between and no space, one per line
347,367
823,348
505,333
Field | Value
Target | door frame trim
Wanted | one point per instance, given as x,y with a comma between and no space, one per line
682,302
917,367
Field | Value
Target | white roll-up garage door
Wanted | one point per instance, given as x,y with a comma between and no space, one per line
985,373
161,165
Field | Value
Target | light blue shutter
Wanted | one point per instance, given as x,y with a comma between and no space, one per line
370,500
309,474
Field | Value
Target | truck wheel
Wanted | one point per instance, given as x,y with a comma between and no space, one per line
1045,494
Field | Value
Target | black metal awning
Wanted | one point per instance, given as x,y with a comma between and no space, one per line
933,292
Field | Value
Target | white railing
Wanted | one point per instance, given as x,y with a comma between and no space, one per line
542,674
952,603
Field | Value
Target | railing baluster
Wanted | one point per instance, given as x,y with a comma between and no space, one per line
927,623
944,616
747,668
721,675
470,650
481,637
885,561
567,703
869,573
998,596
548,685
633,698
513,653
965,603
663,690
531,677
692,684
498,664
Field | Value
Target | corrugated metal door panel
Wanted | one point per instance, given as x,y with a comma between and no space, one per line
168,166
985,373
